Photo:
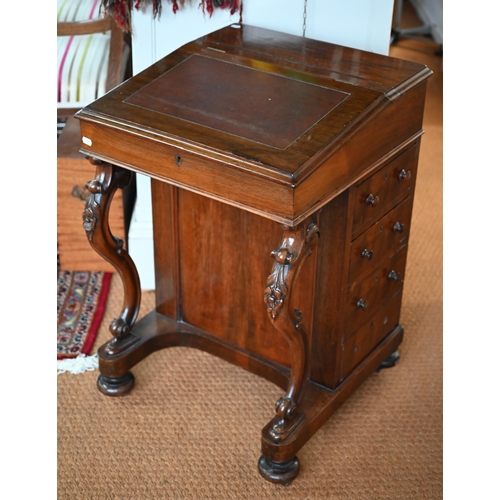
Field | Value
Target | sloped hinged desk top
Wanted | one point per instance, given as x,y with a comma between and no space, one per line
272,123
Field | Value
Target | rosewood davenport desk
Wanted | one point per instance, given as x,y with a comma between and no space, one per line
283,171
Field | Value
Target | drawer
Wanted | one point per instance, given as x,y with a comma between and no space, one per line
358,346
225,178
364,298
380,241
384,190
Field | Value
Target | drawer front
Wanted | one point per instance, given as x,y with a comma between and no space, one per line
359,345
223,179
380,241
364,298
384,189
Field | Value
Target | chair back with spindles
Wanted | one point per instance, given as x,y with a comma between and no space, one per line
91,54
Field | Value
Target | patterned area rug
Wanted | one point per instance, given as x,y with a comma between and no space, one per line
81,300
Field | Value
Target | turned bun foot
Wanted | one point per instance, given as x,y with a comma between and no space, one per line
279,472
390,361
115,386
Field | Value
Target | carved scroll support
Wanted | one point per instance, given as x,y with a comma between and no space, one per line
298,244
107,180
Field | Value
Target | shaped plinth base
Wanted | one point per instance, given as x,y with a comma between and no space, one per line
116,386
276,472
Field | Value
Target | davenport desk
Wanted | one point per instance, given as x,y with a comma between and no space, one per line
283,171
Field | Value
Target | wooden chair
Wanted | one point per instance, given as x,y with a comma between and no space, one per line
92,54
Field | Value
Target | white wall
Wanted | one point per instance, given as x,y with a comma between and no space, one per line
153,39
361,24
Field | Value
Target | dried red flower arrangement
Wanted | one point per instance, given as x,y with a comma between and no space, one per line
120,9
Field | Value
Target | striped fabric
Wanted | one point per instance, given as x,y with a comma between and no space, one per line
82,60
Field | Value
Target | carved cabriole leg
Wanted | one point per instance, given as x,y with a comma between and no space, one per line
108,179
297,245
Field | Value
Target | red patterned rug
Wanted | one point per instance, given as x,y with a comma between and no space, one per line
81,300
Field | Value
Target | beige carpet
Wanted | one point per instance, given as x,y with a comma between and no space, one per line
191,426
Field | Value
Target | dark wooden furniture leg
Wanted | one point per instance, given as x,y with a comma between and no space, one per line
391,361
297,245
113,380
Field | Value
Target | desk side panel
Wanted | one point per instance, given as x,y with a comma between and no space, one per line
166,248
225,260
326,349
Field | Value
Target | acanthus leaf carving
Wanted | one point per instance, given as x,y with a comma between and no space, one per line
91,215
296,246
277,287
107,180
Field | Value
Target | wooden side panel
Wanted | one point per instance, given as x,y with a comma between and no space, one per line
328,319
166,248
225,257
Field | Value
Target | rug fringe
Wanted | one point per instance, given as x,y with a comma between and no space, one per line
80,364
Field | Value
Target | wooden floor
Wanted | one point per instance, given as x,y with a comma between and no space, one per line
177,435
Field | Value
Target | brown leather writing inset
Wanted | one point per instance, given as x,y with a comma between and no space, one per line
251,103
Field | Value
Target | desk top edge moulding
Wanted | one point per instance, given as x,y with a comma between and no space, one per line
283,174
285,152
